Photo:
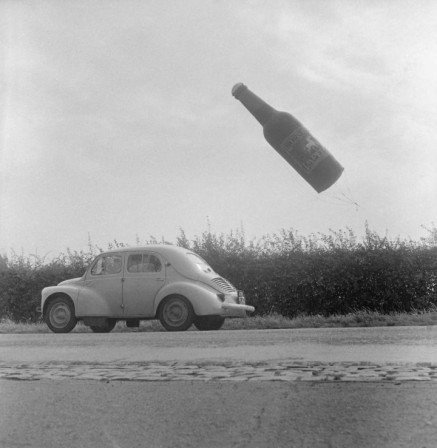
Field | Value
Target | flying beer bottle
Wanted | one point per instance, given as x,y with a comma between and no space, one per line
292,141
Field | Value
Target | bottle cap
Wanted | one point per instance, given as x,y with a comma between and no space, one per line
237,89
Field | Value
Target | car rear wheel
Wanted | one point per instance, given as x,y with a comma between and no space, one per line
207,323
59,315
109,326
176,313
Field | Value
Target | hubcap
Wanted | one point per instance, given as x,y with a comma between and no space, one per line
175,312
60,315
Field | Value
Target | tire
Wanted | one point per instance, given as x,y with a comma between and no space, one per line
208,323
176,313
59,315
108,327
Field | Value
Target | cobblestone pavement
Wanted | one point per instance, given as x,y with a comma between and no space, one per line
223,371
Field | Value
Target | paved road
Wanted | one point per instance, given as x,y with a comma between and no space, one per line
385,344
315,388
255,414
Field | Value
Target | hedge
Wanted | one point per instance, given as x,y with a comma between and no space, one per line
284,273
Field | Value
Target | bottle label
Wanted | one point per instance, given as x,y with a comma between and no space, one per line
302,150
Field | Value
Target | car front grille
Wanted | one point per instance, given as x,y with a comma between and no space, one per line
223,285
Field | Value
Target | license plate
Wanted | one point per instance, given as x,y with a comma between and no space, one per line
241,298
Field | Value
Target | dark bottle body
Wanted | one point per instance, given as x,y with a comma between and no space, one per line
292,141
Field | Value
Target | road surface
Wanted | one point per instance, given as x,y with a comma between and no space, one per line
277,388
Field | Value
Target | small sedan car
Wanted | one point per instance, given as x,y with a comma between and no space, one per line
162,282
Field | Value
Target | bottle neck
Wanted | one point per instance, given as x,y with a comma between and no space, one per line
253,103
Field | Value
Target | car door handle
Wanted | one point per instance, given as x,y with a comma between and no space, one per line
159,279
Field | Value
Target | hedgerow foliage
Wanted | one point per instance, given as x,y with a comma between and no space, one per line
285,273
23,278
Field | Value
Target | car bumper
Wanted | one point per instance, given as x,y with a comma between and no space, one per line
236,310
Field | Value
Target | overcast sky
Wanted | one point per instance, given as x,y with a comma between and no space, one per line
117,120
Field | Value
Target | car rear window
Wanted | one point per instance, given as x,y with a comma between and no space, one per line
199,262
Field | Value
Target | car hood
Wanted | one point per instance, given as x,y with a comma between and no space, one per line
70,281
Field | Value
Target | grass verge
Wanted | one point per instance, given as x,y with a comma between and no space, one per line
272,321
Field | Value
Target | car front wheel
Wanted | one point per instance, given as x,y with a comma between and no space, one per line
59,315
176,313
207,323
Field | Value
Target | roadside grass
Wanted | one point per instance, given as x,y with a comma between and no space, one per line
271,321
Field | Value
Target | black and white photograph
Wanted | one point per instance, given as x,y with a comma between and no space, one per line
218,223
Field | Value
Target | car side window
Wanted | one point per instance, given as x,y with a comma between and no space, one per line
134,263
107,265
152,263
143,263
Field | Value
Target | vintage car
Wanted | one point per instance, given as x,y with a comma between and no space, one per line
162,282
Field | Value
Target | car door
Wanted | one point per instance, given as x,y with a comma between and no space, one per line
144,276
103,291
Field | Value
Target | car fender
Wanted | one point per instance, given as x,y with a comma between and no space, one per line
49,292
203,298
89,303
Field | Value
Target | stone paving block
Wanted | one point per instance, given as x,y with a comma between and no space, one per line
235,378
229,371
313,379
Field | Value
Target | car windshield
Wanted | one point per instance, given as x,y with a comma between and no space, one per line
201,264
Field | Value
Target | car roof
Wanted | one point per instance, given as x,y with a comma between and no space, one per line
162,248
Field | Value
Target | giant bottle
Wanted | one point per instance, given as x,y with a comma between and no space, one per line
292,141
